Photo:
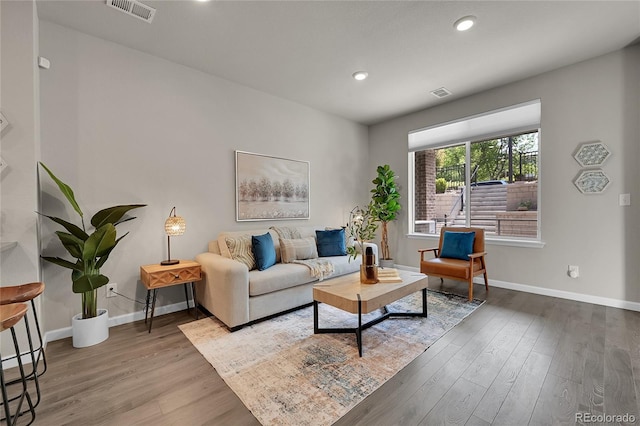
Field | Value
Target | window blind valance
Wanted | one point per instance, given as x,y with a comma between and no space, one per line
489,125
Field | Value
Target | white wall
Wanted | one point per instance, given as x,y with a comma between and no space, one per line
19,146
121,126
595,100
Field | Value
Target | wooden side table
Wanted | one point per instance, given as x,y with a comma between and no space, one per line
158,276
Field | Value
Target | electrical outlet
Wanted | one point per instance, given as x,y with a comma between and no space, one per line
112,290
573,271
624,199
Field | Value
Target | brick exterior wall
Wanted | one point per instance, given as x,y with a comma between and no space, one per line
517,224
444,203
518,192
425,191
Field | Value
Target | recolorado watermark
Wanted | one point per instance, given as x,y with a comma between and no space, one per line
605,418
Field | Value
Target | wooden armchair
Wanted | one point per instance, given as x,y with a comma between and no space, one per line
456,268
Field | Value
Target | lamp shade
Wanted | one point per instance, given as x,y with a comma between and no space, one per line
175,225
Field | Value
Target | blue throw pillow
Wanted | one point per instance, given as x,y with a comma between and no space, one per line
457,245
331,243
264,251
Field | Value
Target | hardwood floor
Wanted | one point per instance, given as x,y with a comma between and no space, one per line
520,359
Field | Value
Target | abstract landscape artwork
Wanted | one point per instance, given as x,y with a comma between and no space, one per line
271,188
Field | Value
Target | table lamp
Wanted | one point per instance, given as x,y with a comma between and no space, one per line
173,226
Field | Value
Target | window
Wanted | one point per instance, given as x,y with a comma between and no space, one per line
480,171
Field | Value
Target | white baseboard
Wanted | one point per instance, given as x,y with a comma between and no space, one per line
26,360
578,297
63,333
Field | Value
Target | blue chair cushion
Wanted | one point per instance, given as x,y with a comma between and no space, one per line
457,245
263,251
331,243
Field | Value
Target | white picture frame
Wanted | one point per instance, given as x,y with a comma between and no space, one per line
592,181
592,154
271,188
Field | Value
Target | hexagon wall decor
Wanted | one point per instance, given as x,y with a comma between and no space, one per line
592,181
592,154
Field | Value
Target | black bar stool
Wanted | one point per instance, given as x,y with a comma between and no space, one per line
10,315
21,294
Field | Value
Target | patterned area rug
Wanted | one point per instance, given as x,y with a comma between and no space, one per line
286,375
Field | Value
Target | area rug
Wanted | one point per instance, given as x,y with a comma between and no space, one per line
286,375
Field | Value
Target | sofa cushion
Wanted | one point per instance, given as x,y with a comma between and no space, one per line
449,267
221,241
286,275
298,249
241,250
342,265
331,243
263,251
286,232
280,276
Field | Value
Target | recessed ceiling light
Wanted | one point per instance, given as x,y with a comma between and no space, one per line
360,75
463,24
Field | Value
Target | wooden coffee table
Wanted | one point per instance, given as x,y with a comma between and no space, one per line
347,293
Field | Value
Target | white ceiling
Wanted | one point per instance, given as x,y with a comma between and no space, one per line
306,51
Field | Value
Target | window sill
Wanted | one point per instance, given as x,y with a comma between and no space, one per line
512,242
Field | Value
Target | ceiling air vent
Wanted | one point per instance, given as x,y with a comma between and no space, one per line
441,93
133,8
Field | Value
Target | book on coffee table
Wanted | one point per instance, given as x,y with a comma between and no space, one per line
388,275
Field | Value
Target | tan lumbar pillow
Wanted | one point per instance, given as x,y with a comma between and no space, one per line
298,249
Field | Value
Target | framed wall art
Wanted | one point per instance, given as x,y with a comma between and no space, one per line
592,154
592,181
271,188
3,122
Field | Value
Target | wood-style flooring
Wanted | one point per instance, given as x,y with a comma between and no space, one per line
519,359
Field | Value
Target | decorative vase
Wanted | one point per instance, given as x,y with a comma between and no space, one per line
369,269
368,275
90,331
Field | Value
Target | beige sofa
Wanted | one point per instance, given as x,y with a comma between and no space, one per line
237,296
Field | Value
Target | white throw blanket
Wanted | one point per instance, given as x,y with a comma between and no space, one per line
320,268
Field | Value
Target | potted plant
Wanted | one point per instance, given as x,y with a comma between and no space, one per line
90,251
362,228
385,207
525,205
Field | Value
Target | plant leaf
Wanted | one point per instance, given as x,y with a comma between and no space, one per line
76,273
105,256
124,220
86,283
99,243
73,244
112,214
75,230
62,262
65,189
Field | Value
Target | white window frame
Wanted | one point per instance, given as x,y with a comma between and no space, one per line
462,132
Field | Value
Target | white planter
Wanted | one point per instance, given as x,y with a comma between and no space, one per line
386,263
90,331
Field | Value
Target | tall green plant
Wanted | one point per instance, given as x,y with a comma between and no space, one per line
384,202
90,251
